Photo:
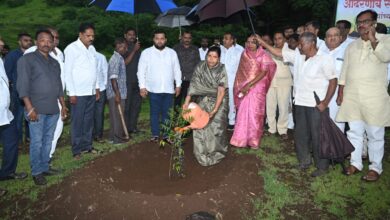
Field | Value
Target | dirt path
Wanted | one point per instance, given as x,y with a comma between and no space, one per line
134,184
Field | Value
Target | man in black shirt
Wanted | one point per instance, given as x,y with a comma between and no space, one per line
189,57
39,85
134,99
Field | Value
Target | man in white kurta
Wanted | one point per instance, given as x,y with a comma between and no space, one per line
365,103
336,51
230,56
278,95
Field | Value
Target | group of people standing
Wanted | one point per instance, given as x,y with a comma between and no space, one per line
349,75
34,79
240,88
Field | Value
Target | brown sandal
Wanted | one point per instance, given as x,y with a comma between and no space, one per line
371,176
351,170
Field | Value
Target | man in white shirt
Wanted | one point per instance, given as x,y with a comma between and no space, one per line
230,56
82,85
313,72
57,54
158,73
204,47
345,27
98,122
314,27
336,51
8,133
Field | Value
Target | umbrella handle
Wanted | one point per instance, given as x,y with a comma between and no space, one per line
249,16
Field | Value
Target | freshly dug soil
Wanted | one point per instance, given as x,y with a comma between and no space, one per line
134,184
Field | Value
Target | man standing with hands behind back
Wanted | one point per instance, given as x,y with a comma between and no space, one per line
83,88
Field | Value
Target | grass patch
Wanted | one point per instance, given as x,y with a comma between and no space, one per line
277,193
292,194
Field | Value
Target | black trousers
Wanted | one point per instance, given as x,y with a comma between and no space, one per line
132,106
307,136
9,140
183,93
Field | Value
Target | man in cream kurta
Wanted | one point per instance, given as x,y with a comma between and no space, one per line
279,93
365,103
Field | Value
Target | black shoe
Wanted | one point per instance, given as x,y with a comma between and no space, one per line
90,151
3,192
120,142
99,140
52,172
168,141
230,128
14,176
154,139
39,180
136,131
318,172
303,167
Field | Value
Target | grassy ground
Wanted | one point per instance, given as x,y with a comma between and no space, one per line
288,193
26,192
291,194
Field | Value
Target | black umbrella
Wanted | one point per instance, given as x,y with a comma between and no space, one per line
135,6
335,146
207,9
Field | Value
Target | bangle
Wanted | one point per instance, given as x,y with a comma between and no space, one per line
31,110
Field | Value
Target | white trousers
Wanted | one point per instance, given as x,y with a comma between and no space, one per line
376,144
278,97
57,132
290,124
232,108
333,109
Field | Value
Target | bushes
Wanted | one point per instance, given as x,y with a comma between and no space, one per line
15,3
67,2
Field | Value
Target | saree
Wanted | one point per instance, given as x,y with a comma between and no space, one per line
251,108
210,143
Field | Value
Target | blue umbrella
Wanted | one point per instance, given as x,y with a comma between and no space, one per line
135,6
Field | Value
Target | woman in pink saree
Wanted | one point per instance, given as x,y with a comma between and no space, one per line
253,78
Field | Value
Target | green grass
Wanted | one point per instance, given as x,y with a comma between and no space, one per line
333,196
288,193
26,191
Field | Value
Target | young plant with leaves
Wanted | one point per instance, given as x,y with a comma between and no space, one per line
175,130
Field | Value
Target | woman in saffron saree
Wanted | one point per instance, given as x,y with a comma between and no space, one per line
208,89
254,75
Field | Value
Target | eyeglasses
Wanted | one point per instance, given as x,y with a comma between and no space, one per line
367,21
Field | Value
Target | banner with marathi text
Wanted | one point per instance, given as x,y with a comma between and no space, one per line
348,9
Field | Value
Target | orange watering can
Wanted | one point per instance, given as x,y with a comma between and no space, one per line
197,117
